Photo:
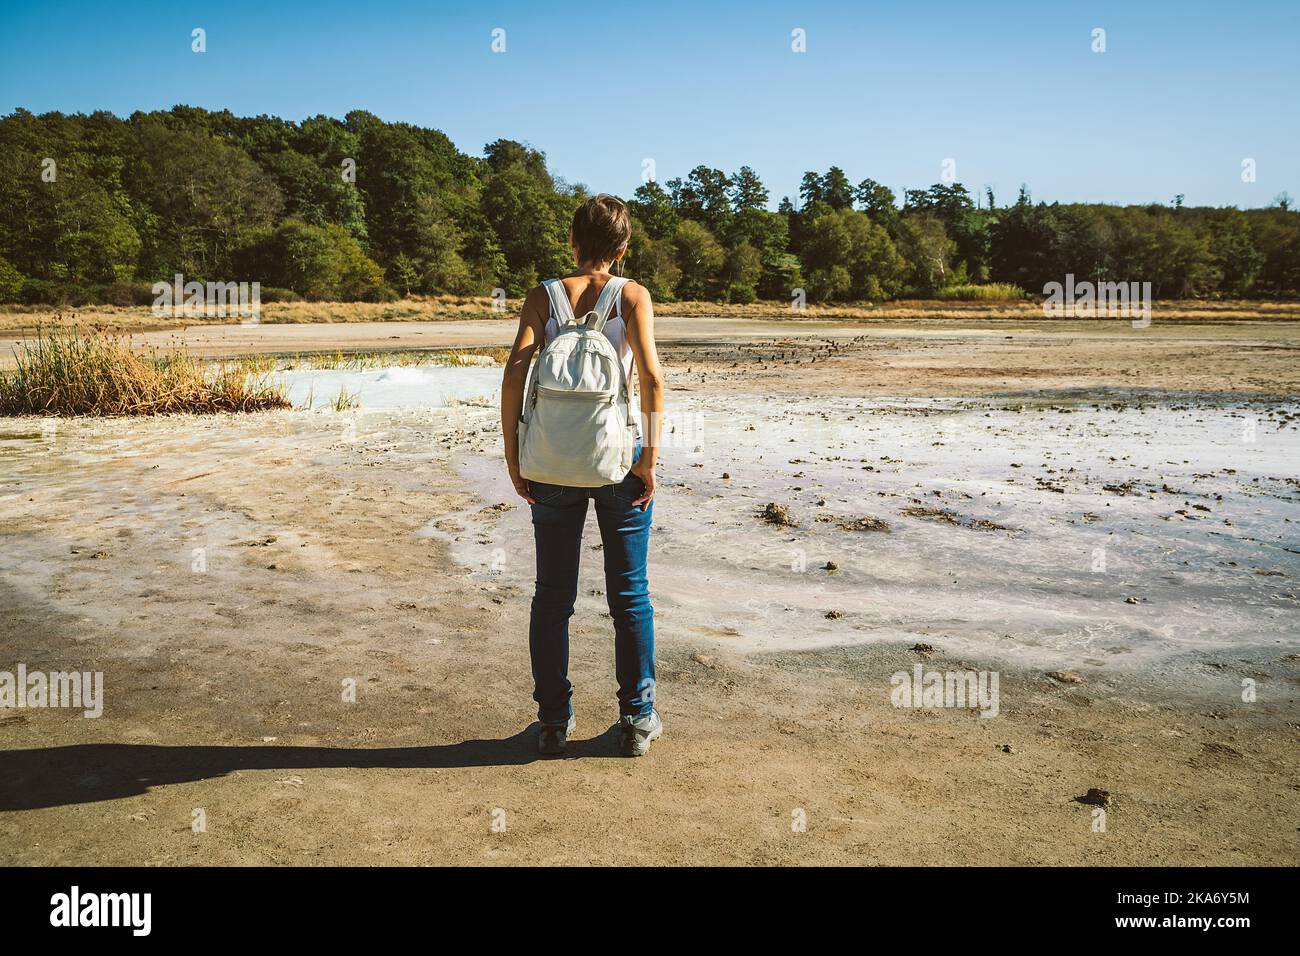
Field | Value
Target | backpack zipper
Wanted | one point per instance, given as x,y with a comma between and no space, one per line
569,394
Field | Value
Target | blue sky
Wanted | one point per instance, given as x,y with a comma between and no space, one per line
1009,90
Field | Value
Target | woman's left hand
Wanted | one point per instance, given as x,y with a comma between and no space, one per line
646,472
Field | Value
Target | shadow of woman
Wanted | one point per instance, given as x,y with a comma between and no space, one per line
86,773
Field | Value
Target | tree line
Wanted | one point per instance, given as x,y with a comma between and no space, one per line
95,208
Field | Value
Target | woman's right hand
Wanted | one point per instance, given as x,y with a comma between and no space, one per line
521,486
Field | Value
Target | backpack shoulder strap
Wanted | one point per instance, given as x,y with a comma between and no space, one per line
559,302
609,297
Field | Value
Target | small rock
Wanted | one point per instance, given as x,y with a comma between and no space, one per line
1007,749
1130,600
1095,798
923,649
833,615
830,566
704,659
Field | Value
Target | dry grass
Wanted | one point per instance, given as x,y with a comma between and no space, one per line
344,400
989,292
141,318
440,308
1031,310
449,308
388,358
63,372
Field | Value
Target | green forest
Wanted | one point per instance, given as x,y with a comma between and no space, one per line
95,208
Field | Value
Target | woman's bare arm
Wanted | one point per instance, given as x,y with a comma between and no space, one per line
640,317
532,329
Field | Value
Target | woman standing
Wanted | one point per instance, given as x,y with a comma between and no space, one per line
599,237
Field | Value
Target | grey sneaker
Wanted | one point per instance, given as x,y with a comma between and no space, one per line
552,738
636,733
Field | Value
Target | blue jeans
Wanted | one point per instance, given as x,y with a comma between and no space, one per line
558,517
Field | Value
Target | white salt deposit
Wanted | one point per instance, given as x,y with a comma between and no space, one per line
1053,535
419,386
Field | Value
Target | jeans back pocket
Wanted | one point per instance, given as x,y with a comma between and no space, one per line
630,488
543,493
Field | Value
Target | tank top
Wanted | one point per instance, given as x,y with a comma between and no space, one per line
615,330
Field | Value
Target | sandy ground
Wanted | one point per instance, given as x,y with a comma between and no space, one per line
231,575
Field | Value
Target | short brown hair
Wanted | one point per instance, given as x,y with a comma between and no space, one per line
601,228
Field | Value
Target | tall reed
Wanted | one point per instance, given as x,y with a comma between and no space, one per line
63,372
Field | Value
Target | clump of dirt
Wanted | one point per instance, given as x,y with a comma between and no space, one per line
951,517
865,524
1124,488
778,515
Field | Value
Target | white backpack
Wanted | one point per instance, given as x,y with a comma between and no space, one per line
577,427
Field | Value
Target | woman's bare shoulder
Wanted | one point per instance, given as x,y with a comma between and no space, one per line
536,304
635,294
